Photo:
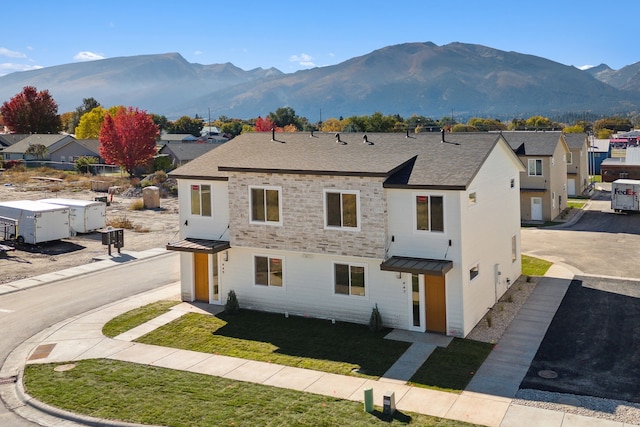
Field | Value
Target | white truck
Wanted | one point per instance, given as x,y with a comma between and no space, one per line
85,216
624,195
37,222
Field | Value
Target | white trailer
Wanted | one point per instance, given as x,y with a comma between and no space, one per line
37,221
85,216
624,195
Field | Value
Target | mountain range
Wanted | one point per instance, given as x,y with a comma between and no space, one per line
464,80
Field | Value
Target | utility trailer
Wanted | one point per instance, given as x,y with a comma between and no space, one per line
37,222
8,227
85,216
624,195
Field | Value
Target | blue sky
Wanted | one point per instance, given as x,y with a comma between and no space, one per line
294,35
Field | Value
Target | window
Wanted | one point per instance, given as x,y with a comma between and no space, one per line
342,209
265,205
535,167
514,249
570,158
349,279
201,200
268,271
474,271
429,213
553,199
472,198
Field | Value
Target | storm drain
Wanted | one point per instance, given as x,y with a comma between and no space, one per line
9,380
548,374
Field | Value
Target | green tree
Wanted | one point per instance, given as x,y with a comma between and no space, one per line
82,163
186,125
464,128
485,125
38,151
284,116
538,123
447,122
232,128
88,104
31,111
616,124
161,121
573,129
128,139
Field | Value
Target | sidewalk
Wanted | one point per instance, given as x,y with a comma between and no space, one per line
487,400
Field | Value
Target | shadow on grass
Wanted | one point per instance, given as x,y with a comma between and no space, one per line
388,418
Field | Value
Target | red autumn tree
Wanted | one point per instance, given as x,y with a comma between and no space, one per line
31,111
265,125
128,138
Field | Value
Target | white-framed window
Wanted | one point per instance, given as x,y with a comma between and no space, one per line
349,279
473,198
265,205
429,213
570,157
535,167
268,270
342,209
201,199
474,271
514,248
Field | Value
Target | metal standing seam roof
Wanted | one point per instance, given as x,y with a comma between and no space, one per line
437,267
198,245
418,159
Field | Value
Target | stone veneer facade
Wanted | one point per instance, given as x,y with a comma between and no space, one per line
302,228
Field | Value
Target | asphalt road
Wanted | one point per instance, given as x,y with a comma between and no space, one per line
601,243
25,313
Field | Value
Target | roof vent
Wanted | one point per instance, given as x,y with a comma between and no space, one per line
407,136
442,133
273,134
365,140
311,133
338,140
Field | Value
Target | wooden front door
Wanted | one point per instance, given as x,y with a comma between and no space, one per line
201,276
436,304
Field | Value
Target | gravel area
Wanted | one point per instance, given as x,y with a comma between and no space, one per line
491,327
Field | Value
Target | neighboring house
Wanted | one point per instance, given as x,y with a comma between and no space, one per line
543,185
8,139
599,150
176,138
183,153
331,226
577,163
622,168
92,149
62,150
213,135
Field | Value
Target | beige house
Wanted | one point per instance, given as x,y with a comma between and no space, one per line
543,185
577,163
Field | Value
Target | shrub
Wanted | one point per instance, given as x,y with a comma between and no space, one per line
137,205
375,321
232,306
82,164
120,222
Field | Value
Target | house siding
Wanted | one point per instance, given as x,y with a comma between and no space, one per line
303,222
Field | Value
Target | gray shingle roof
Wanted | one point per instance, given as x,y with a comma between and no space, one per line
8,139
42,139
419,160
188,151
526,143
575,141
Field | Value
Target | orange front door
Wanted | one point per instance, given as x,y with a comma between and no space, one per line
201,276
436,304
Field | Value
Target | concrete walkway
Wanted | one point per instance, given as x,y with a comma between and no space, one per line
487,401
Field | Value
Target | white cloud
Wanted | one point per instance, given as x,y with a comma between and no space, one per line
11,53
87,56
303,60
197,52
7,67
585,67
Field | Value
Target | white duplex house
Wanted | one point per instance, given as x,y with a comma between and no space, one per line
426,226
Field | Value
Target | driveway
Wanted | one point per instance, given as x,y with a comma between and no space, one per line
601,243
591,346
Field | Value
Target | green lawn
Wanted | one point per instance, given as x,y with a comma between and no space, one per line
534,266
340,348
576,203
151,395
133,318
451,368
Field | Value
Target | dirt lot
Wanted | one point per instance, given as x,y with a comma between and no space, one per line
159,226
